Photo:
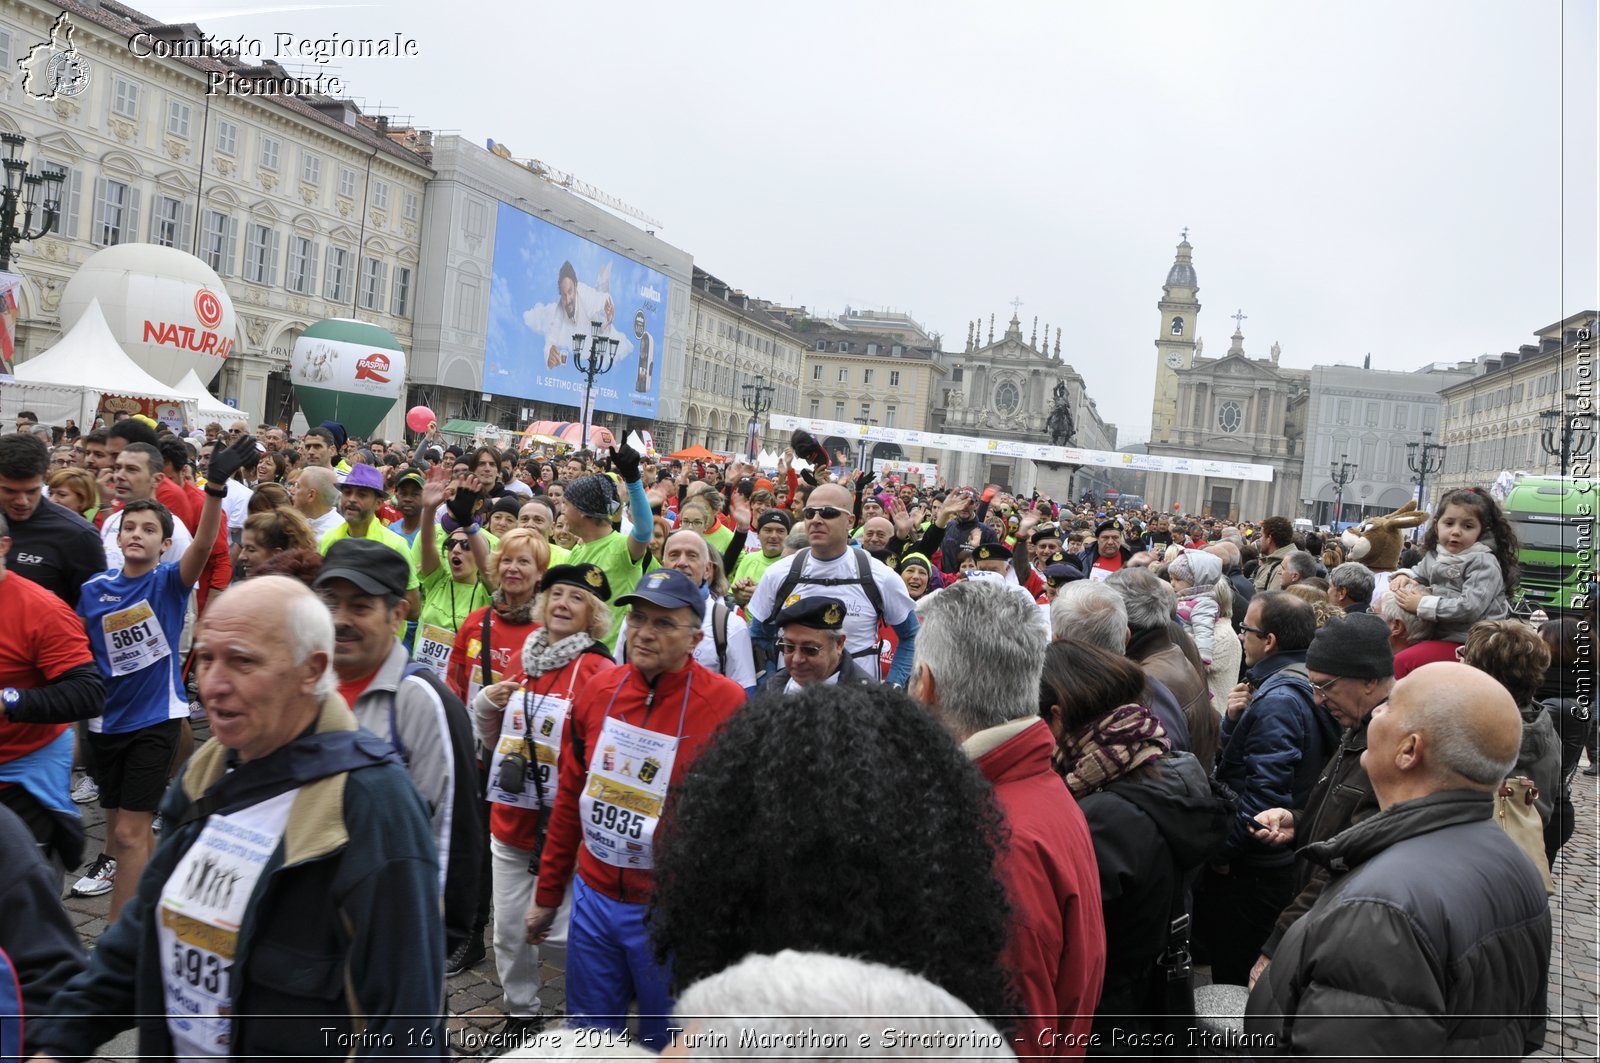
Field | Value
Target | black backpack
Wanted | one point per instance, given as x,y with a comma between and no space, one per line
463,874
863,577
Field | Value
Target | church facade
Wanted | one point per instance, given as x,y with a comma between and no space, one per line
1231,408
1012,389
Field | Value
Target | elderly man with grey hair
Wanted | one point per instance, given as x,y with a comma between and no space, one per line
316,496
1297,565
978,664
1160,646
1350,587
1432,938
1094,613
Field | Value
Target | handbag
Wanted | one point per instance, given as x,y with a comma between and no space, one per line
1514,812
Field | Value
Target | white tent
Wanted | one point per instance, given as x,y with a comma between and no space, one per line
208,405
86,364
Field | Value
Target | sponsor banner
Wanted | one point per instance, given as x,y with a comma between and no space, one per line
925,471
10,286
1234,470
347,371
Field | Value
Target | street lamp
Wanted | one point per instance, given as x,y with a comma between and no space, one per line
598,359
1424,458
1341,472
23,189
757,398
861,459
1556,421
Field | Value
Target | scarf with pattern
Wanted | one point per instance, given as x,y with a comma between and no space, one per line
539,655
1110,747
522,614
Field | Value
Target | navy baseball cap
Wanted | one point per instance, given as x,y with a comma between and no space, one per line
669,589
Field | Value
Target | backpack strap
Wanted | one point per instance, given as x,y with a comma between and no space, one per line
719,633
412,668
484,654
863,576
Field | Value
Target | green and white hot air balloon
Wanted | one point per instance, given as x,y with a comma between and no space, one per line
347,371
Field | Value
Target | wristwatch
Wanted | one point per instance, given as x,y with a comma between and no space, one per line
10,697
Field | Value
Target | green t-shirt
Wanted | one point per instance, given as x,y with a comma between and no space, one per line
720,537
610,554
754,564
446,603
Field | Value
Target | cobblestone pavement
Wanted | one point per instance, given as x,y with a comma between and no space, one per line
474,996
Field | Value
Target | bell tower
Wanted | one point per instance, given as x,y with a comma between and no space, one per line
1175,341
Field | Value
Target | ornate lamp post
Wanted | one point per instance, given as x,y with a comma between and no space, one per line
1578,427
30,192
1340,472
1424,458
861,459
756,397
595,361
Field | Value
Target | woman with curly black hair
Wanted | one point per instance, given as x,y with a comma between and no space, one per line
843,820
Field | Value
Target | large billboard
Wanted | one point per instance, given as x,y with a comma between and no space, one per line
548,286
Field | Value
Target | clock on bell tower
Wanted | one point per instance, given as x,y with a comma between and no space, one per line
1175,341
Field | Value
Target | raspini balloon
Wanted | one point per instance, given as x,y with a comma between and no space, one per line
347,371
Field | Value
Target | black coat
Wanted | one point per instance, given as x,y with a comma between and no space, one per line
849,672
1431,940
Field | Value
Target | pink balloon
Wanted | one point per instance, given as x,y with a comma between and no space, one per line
420,419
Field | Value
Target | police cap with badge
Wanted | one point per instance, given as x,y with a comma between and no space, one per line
992,552
583,576
819,613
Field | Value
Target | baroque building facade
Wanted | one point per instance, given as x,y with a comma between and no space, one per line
734,340
306,208
869,379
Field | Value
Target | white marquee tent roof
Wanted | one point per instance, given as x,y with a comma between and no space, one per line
90,357
210,407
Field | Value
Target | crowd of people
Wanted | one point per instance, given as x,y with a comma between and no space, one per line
362,713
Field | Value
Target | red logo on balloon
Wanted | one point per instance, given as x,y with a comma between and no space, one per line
208,308
371,367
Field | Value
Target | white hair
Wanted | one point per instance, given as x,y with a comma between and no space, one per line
323,482
310,629
982,644
1151,602
1093,613
1416,628
814,1006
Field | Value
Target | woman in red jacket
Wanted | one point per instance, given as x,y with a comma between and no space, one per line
523,724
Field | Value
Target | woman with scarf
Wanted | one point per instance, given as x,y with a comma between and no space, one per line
525,716
1153,819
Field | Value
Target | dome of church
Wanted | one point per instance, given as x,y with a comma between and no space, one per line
1181,275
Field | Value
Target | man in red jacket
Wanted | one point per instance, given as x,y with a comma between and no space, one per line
632,734
979,657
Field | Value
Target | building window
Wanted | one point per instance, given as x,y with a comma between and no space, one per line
125,99
227,137
955,375
116,212
897,350
1007,397
844,346
1177,326
374,272
816,371
822,345
1372,415
894,378
178,114
838,411
844,374
380,195
217,236
872,348
169,222
71,195
347,182
260,254
889,414
866,411
1400,410
269,153
336,284
1343,416
1229,417
310,169
866,376
400,305
408,208
301,271
816,408
5,49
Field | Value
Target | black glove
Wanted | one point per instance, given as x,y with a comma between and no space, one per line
225,461
864,480
626,461
461,505
805,445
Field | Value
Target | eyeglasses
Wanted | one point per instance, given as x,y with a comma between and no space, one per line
825,512
1257,632
1321,689
660,624
458,544
804,649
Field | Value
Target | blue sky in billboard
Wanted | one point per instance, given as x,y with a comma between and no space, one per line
549,284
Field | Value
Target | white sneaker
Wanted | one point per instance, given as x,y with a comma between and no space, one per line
86,792
102,873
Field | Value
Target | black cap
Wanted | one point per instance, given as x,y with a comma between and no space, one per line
1048,531
1355,645
992,552
821,612
507,503
777,516
1062,571
375,567
1105,526
583,575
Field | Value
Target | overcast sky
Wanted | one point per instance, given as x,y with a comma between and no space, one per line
1416,180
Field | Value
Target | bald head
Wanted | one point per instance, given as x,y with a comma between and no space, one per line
828,537
1447,726
1227,551
831,495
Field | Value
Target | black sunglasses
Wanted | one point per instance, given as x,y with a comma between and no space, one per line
457,544
825,512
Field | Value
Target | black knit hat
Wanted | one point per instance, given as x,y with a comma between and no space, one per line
1355,645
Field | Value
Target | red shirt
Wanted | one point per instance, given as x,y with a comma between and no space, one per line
40,638
464,672
1418,654
186,501
1056,947
352,689
1108,564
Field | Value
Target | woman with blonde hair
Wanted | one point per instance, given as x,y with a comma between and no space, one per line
75,488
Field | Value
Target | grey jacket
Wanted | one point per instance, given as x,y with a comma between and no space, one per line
1431,940
1462,589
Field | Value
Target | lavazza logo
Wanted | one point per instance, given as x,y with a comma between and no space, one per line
373,367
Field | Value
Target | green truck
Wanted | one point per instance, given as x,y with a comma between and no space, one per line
1554,518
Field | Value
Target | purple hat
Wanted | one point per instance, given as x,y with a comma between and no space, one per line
363,476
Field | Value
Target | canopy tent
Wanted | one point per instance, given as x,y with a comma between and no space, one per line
694,453
568,432
209,407
86,365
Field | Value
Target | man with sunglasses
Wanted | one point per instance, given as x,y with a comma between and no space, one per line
871,591
812,646
1351,669
1275,740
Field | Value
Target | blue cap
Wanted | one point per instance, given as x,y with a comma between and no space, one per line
670,589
